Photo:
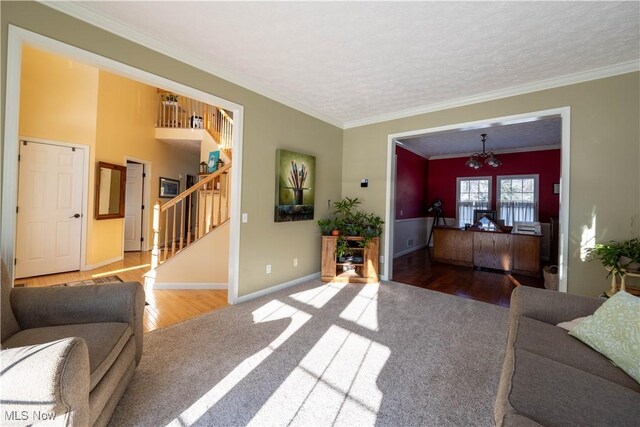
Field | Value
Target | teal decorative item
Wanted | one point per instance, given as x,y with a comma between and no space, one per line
212,165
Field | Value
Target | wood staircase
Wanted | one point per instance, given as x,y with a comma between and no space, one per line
200,209
191,215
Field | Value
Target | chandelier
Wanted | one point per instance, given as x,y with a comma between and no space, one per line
475,161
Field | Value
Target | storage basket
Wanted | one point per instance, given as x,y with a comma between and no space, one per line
550,274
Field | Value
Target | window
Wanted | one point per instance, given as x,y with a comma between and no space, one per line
517,198
472,194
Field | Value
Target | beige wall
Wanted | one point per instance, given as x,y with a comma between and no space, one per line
189,267
267,125
63,100
605,159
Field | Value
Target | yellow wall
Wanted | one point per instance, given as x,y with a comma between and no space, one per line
126,127
267,125
605,159
64,111
66,101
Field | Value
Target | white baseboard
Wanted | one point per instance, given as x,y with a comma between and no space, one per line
190,286
276,288
408,251
102,263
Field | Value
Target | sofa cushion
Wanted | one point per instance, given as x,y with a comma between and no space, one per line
556,344
552,394
104,341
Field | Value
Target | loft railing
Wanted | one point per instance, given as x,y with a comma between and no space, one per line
176,111
191,215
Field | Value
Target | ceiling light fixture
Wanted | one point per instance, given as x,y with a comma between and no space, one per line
475,161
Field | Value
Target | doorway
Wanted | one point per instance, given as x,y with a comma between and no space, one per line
19,37
478,127
50,208
134,207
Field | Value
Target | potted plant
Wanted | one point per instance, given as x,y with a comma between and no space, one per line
618,257
349,221
170,99
326,226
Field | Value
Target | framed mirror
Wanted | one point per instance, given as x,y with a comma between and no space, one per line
110,190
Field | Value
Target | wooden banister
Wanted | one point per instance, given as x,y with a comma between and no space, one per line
211,210
195,187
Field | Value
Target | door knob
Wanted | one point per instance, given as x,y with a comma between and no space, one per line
75,216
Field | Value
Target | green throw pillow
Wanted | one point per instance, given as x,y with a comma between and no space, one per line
614,331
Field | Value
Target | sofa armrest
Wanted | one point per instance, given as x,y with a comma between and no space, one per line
550,306
44,382
53,306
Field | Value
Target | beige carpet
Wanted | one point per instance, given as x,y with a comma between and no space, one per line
320,355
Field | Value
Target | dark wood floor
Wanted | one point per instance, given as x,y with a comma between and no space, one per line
418,269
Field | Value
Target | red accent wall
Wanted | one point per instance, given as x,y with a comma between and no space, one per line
443,174
411,184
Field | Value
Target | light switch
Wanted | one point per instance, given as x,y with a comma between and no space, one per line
245,217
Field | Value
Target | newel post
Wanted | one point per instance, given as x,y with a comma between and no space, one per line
155,252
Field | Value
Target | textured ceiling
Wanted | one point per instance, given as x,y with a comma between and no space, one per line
354,61
546,131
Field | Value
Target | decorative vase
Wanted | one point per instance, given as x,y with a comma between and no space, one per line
335,232
297,196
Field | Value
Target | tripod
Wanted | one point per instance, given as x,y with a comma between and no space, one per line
436,219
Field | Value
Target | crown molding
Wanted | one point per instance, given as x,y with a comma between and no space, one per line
505,151
408,147
569,79
89,16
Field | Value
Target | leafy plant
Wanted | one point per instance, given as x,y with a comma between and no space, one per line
326,226
349,221
171,97
342,247
617,256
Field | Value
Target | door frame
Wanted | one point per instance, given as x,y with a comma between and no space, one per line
146,200
565,173
17,37
85,192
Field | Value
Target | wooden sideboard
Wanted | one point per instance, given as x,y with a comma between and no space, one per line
517,253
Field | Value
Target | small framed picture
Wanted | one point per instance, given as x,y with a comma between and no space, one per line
169,188
556,188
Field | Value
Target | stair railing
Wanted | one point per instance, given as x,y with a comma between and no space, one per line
208,207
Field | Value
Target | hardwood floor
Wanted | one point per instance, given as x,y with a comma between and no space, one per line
165,308
417,269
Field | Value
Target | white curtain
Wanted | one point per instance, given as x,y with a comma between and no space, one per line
465,211
511,212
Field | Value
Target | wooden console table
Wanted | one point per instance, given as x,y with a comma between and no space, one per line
517,253
365,271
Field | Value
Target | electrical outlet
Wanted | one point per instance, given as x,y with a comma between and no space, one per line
268,268
295,262
381,259
410,242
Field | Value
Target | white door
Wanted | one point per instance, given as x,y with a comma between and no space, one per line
133,207
49,228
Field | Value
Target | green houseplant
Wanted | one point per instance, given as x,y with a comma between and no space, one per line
349,221
617,256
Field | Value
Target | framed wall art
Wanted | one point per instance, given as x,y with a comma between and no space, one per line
295,186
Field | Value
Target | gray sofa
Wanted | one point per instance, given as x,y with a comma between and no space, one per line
550,378
68,352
